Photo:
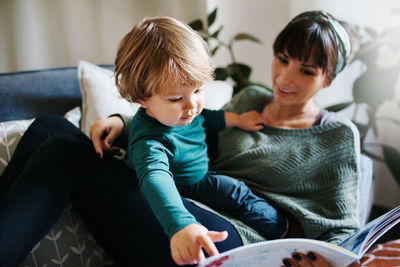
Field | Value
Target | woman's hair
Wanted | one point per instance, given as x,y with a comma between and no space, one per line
317,36
160,52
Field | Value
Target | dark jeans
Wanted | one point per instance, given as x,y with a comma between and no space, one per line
224,193
54,164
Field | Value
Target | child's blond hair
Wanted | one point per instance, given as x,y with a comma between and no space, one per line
159,52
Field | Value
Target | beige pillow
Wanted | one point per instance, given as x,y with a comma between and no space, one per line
100,96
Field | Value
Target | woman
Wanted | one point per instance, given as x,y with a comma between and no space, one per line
305,161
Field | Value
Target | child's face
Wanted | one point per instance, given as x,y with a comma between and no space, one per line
175,105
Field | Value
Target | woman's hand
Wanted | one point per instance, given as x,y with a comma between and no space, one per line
104,132
186,244
312,259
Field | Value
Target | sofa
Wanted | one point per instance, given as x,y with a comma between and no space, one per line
83,94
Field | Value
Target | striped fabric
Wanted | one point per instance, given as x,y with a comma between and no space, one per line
383,255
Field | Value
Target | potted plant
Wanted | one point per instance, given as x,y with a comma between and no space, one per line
371,89
238,72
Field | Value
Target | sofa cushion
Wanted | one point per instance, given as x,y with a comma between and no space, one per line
100,96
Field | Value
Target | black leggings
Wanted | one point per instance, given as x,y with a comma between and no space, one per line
54,164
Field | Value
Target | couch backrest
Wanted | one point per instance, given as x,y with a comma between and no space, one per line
28,94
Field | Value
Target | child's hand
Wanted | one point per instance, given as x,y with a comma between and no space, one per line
104,132
249,121
186,244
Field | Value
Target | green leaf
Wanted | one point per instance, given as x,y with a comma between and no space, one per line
220,74
216,33
375,128
339,107
392,158
371,155
214,50
362,128
375,85
197,25
246,36
211,17
240,73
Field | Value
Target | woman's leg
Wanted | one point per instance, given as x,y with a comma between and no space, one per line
37,133
112,205
40,190
224,193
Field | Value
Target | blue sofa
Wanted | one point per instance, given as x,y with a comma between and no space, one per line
26,95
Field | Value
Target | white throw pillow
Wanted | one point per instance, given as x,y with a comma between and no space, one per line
100,96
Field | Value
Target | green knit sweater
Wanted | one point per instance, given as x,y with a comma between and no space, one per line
312,173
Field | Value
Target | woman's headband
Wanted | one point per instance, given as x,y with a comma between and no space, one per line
343,41
342,37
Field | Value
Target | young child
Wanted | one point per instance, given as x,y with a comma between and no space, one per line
163,64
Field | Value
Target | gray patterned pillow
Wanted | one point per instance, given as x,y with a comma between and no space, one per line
69,243
10,133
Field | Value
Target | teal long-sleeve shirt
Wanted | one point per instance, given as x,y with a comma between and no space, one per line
164,156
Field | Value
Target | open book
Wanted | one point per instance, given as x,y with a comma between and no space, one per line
271,253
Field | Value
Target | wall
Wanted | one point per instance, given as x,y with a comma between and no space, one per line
263,19
45,33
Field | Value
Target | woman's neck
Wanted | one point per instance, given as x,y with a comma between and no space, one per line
291,116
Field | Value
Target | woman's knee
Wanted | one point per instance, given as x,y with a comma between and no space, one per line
68,145
48,125
46,121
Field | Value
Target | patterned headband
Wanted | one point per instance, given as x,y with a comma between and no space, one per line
342,37
343,41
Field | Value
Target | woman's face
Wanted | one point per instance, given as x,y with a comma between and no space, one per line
295,82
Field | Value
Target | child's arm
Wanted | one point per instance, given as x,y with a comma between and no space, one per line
186,244
250,121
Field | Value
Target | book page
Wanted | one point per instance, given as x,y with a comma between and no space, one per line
364,238
271,253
